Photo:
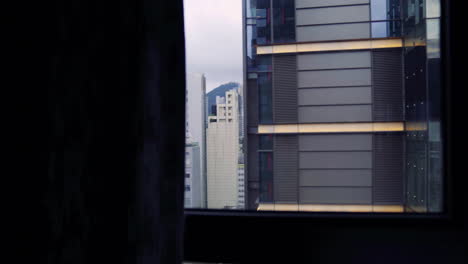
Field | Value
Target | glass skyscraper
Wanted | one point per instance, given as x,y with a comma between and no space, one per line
342,104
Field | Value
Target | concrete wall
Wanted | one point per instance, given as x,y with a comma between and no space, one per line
334,87
223,155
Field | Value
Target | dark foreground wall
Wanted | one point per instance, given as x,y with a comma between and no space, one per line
99,140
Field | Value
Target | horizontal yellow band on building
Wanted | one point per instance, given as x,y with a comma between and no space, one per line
331,208
331,46
331,128
416,126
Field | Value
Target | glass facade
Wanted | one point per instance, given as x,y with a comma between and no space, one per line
284,25
385,9
266,168
263,21
417,23
266,142
386,29
263,63
423,106
270,21
264,83
386,16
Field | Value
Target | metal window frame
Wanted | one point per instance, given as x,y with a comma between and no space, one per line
224,226
444,215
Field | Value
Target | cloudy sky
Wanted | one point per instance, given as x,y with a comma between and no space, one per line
213,40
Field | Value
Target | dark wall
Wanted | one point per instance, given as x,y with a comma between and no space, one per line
95,119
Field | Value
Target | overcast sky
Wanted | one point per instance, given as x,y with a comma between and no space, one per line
213,40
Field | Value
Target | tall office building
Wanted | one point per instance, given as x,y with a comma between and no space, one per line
196,136
223,152
340,107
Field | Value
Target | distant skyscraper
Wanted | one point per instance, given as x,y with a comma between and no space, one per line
218,91
193,179
223,152
195,132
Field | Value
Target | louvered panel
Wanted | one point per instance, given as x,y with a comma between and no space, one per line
285,89
285,158
388,169
387,85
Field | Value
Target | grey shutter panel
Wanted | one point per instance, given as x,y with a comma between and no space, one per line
285,169
388,169
285,89
387,85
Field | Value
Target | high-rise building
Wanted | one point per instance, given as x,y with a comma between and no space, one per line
223,152
241,186
193,179
336,97
196,134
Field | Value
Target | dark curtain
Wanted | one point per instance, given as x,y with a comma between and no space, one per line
102,134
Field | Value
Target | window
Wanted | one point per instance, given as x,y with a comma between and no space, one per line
416,152
187,175
266,169
266,142
263,22
284,26
387,13
317,125
264,83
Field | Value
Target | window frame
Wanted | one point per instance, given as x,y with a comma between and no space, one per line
218,228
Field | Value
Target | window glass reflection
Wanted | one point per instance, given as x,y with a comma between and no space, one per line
251,35
264,83
385,9
250,9
284,27
432,8
433,36
266,142
263,63
423,107
266,176
386,29
263,15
